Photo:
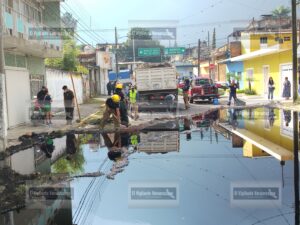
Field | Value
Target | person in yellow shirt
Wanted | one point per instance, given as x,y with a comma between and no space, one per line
112,109
133,96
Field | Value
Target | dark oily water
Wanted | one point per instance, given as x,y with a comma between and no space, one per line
217,168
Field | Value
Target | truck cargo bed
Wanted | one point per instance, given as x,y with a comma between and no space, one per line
163,78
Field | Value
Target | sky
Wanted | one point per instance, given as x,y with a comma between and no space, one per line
195,17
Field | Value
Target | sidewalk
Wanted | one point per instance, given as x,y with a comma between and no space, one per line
252,99
59,122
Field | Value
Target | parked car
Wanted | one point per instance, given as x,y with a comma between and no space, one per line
180,84
203,89
222,85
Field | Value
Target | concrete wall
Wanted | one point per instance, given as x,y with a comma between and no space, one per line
36,65
235,48
103,81
3,114
56,79
221,73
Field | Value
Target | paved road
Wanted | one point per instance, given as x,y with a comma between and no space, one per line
199,107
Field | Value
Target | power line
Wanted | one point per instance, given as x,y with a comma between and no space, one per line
77,214
83,24
77,36
179,26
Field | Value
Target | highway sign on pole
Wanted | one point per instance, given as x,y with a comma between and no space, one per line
144,52
174,51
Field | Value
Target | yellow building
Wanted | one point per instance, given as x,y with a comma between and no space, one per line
264,55
274,127
262,132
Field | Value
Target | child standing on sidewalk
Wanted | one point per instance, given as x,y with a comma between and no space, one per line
47,108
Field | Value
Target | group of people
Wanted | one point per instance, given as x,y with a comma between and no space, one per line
44,101
271,88
286,88
118,104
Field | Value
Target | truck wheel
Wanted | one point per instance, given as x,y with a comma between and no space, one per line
191,100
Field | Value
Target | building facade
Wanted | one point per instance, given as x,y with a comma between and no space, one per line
27,42
264,55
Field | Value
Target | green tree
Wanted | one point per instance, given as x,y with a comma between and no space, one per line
250,80
56,63
281,12
69,61
142,39
73,166
70,53
138,33
214,40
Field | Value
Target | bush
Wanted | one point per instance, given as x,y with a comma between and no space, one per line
221,91
240,91
250,92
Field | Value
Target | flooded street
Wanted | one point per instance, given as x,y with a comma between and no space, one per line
226,167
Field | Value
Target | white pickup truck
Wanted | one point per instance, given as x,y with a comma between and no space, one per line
154,82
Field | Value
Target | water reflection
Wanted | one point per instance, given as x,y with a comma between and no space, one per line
204,154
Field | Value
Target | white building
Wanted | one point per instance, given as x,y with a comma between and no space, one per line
27,42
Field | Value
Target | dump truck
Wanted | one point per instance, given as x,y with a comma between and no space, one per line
154,83
159,142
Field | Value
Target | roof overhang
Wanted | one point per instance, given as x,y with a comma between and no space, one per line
224,61
259,53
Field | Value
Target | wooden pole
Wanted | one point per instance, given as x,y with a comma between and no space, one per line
199,52
75,97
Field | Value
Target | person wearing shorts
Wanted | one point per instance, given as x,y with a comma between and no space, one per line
47,108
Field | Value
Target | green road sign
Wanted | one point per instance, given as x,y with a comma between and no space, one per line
144,52
174,51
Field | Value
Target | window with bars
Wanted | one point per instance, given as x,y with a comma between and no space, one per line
263,40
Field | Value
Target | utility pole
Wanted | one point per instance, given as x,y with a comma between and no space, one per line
208,45
199,52
3,128
295,46
133,47
116,54
295,113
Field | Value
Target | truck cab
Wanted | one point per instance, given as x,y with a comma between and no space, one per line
203,89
